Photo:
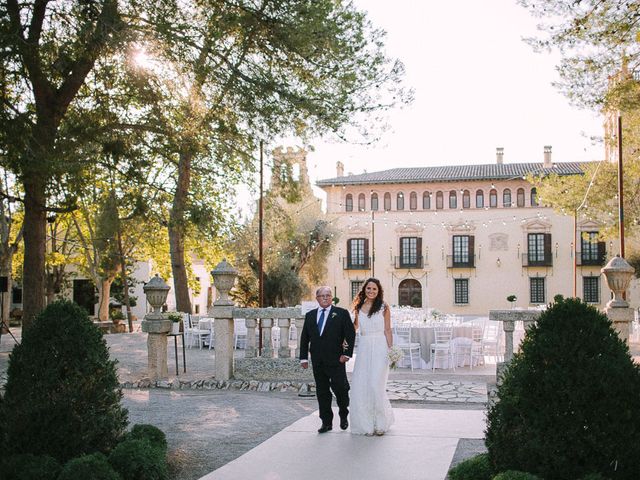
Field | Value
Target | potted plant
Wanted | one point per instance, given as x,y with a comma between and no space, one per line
175,318
512,299
117,316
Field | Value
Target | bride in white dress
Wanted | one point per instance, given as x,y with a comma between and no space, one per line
371,412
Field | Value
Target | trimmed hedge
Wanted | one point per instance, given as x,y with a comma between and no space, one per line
27,466
137,459
515,475
150,433
569,402
94,467
62,397
474,468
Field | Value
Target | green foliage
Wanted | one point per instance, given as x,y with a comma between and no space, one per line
151,433
594,476
62,397
27,466
515,475
569,403
593,37
474,468
94,467
140,460
296,246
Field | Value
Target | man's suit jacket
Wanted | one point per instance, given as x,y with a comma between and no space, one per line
327,349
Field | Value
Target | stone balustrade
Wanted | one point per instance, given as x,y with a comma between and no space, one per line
508,318
268,319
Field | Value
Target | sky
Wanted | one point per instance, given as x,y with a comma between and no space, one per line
477,86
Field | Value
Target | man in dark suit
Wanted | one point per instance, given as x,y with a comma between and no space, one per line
328,334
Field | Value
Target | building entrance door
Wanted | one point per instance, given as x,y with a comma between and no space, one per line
410,293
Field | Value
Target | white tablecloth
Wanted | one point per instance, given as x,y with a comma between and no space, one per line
425,336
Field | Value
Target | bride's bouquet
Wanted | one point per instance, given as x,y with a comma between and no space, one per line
395,354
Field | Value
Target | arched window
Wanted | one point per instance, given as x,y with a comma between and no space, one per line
387,202
466,199
479,199
534,197
426,201
439,201
348,203
493,198
413,201
410,293
506,198
400,201
453,200
374,202
361,202
520,197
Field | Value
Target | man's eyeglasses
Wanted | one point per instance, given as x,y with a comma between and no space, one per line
323,296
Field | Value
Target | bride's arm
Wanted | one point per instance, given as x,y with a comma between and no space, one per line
387,325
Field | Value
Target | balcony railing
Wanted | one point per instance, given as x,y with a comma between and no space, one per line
590,259
416,262
362,264
545,260
458,261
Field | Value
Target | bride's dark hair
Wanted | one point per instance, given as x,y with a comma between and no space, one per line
362,296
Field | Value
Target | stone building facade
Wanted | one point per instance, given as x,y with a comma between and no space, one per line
461,239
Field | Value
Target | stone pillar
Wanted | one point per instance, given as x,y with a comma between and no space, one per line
267,344
157,326
284,351
224,277
250,350
618,274
299,325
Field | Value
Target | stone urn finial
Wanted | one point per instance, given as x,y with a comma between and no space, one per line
156,291
224,278
618,274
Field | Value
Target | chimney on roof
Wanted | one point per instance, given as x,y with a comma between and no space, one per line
339,169
547,157
499,155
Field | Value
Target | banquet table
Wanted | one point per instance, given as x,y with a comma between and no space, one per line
426,335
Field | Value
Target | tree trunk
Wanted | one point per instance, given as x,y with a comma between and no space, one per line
33,282
176,234
125,282
5,271
105,295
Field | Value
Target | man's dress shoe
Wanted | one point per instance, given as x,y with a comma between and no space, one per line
344,424
325,428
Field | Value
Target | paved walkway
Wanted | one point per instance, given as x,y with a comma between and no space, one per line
420,445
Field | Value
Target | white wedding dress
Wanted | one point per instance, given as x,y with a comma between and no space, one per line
370,408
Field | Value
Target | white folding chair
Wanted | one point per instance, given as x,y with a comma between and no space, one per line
491,344
442,348
202,334
186,328
402,335
470,348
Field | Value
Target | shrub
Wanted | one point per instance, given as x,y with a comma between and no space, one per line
594,476
569,402
94,467
515,475
152,434
474,468
29,467
62,397
139,460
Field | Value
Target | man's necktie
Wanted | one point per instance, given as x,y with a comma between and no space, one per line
321,321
